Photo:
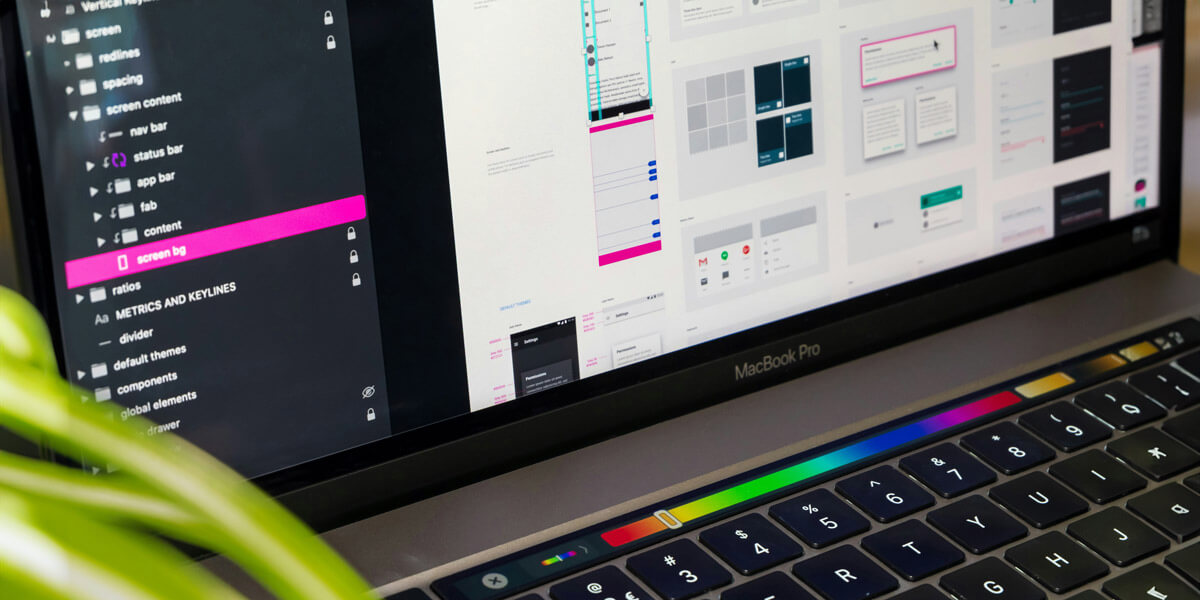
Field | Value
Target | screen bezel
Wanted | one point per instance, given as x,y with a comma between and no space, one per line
359,482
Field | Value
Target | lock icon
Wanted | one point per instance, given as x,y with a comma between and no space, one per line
370,414
330,43
356,280
354,257
329,17
351,234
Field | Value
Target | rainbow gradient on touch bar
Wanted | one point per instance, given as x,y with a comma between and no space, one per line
783,478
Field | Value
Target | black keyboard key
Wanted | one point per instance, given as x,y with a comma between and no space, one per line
1039,500
1191,364
1098,476
1154,453
925,592
1065,426
679,570
776,586
1186,562
885,494
947,470
751,544
977,525
819,518
1168,386
990,579
525,597
845,574
913,550
1057,562
1186,427
1088,595
1193,482
1120,406
1008,448
1118,536
609,581
1149,582
1171,508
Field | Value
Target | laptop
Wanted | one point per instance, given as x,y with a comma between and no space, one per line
661,300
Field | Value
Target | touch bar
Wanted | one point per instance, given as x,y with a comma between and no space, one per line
783,478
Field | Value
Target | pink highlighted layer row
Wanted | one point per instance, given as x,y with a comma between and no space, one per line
227,238
628,253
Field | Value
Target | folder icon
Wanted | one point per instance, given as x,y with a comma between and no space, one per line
70,37
99,370
83,61
87,87
91,113
103,394
125,211
129,236
97,294
122,186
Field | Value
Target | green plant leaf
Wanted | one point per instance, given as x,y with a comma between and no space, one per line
56,553
249,527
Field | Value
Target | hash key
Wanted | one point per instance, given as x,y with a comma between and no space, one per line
1008,448
1171,508
977,525
1039,500
1169,386
1118,536
679,570
1120,406
947,470
845,574
990,579
1098,476
1154,453
751,544
819,518
776,586
1057,562
1065,426
885,494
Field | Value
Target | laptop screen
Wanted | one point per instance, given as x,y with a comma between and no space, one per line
283,230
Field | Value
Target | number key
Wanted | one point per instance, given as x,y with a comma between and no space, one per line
1008,448
819,518
1066,426
609,581
679,570
947,470
885,494
751,544
1169,386
1120,406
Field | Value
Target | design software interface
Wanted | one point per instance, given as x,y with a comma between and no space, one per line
695,168
626,179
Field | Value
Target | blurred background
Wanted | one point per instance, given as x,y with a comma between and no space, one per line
1190,254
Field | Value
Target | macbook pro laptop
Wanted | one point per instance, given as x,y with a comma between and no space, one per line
638,300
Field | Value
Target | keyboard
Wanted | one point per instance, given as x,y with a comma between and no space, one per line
1079,481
